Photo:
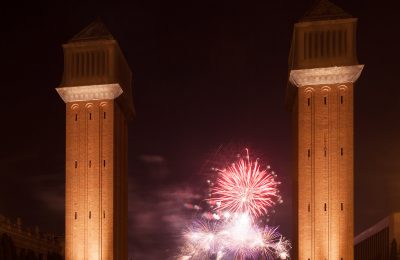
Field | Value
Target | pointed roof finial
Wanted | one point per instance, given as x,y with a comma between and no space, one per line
94,31
324,10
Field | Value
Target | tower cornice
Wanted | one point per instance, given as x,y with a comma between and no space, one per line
90,92
325,76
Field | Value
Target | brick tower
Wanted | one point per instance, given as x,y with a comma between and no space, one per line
96,88
323,68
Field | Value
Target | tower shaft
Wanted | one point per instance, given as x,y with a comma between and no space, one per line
96,180
325,171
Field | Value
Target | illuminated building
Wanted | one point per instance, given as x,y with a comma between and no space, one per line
17,242
96,88
381,241
323,68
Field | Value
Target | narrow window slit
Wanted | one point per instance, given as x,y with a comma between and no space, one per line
90,116
90,214
341,151
90,163
328,43
334,43
76,215
76,164
322,42
325,100
325,152
104,163
316,47
341,206
305,45
76,117
309,208
325,206
104,214
341,99
104,115
308,101
309,153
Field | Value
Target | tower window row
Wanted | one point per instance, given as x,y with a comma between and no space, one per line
325,100
325,207
325,152
90,116
332,43
89,163
90,215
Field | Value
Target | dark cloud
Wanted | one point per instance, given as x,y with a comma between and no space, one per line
155,167
156,220
157,213
29,191
50,191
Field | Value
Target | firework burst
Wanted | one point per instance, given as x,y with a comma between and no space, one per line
240,195
245,187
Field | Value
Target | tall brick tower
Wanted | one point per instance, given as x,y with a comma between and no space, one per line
96,88
323,68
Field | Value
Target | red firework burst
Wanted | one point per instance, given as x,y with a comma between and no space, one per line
245,187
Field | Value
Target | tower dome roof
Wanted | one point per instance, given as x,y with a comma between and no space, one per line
324,10
94,31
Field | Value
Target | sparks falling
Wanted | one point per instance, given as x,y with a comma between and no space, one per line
245,187
235,238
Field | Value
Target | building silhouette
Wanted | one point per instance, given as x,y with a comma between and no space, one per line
96,87
20,243
323,68
381,241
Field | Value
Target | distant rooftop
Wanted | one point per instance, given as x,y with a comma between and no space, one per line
94,31
324,10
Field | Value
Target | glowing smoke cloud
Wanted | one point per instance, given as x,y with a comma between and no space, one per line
242,193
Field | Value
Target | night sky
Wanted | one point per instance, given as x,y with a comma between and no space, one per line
207,74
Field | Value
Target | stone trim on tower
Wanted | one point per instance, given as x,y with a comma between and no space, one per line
325,76
91,92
